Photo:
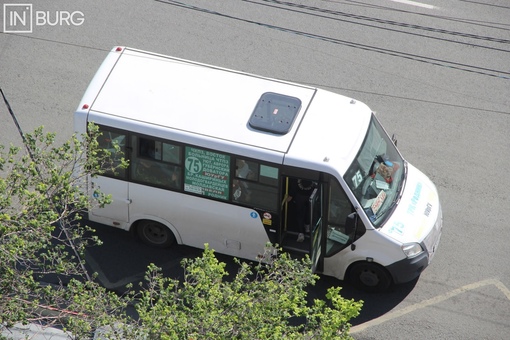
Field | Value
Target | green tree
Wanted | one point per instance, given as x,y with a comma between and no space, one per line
265,301
42,192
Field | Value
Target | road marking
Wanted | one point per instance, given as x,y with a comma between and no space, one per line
414,3
430,302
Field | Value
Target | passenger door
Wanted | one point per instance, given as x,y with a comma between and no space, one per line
316,230
112,182
118,210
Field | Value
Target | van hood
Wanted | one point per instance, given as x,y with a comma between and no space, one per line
417,211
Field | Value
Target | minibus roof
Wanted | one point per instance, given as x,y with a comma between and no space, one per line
217,103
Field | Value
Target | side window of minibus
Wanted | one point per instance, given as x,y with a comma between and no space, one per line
114,144
156,162
341,220
255,184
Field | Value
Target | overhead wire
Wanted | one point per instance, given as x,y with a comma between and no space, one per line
410,56
485,4
369,48
291,5
412,99
492,25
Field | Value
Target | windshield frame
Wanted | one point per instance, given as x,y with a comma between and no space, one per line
377,175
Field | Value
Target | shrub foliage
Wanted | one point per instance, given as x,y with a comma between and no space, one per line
42,192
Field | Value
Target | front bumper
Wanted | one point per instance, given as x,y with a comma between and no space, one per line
408,269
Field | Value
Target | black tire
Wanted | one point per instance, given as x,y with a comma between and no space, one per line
370,277
155,234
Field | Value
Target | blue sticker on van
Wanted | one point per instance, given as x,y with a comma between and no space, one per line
415,199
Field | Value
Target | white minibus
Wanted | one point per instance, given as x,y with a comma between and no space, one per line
238,160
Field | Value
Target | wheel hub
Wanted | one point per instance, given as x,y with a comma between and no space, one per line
369,278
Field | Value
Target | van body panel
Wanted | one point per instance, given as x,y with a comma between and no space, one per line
418,211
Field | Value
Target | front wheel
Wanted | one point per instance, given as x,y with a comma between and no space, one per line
370,277
155,234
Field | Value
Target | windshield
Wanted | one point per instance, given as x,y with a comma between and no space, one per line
376,175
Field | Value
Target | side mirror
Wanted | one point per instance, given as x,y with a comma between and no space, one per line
350,223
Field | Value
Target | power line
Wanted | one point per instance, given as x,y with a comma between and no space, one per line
485,4
271,3
390,52
411,99
333,40
493,25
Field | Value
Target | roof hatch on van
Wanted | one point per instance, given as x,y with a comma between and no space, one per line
275,113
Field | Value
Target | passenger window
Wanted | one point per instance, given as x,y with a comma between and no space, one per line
341,231
156,163
255,185
108,140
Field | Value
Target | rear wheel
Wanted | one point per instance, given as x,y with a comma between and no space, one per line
155,234
370,277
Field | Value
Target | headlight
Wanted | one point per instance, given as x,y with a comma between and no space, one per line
412,249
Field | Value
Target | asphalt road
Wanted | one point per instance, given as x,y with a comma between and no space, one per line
436,72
